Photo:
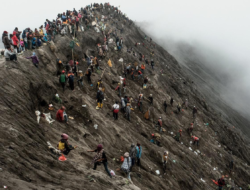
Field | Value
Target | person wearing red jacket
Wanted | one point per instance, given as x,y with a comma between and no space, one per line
196,140
61,115
15,42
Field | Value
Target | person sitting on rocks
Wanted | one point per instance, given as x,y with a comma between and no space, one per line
64,145
10,55
61,115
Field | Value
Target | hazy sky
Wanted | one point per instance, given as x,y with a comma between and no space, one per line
220,26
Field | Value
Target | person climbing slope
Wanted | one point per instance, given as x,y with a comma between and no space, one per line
127,164
194,112
62,79
133,153
138,154
100,158
118,88
221,182
115,110
165,106
34,58
140,102
64,145
165,160
99,98
88,74
151,99
159,124
195,140
128,111
190,129
71,80
178,135
80,80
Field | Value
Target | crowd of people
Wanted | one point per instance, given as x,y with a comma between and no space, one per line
69,23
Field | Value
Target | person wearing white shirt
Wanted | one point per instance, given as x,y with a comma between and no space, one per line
115,110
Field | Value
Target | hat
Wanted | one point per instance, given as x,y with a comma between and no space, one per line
80,71
60,61
63,71
128,104
100,88
119,83
165,152
151,95
159,117
57,95
180,130
126,155
5,32
63,108
153,135
51,105
99,147
64,136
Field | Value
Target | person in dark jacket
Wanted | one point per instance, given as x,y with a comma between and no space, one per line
99,98
100,158
171,101
152,64
64,145
71,80
88,74
221,182
178,135
6,40
151,99
34,58
165,106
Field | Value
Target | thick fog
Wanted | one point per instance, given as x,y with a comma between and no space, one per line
214,33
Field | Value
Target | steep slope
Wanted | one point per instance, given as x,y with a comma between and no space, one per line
27,163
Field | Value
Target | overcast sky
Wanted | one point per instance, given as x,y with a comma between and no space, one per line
220,26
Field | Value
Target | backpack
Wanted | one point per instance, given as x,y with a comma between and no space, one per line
61,145
101,95
63,18
23,35
62,78
79,15
221,182
77,19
